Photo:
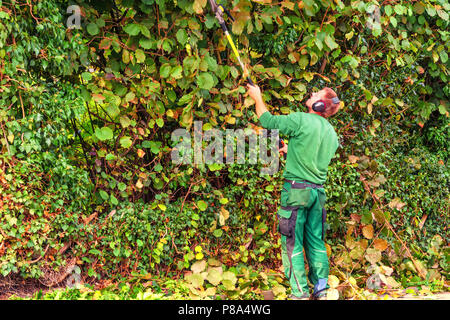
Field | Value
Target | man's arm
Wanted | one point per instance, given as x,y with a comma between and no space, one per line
287,124
255,93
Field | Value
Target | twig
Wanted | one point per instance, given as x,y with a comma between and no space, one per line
31,12
6,139
388,225
323,19
39,258
181,210
21,103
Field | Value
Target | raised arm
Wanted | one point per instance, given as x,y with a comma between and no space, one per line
286,124
255,93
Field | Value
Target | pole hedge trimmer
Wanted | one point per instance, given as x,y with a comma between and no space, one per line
219,10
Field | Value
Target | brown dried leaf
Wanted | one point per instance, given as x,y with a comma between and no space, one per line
198,6
380,244
373,255
422,221
353,158
368,231
396,203
140,153
198,266
333,281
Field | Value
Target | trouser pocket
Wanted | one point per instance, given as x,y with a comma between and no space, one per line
286,221
298,197
287,218
324,219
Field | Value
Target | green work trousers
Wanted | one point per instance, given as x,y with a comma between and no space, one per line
301,224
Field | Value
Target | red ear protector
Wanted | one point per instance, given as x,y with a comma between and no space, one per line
321,105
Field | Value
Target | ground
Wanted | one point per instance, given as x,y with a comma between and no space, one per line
19,287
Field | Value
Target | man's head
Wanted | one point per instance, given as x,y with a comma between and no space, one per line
326,95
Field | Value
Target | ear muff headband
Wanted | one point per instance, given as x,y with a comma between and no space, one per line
321,105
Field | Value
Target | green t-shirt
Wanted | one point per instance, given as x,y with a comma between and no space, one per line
312,144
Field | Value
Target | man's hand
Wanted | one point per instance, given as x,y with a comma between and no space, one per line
254,92
283,149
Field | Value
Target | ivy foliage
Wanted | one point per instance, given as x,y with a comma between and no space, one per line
87,115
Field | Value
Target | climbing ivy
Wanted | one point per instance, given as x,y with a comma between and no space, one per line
87,115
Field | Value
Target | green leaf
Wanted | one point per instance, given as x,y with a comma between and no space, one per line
122,186
125,121
114,200
113,110
399,9
100,22
140,56
329,41
104,133
310,7
431,11
167,45
388,10
229,280
145,31
87,76
92,29
153,145
164,71
202,205
104,195
210,21
218,233
125,142
442,109
195,279
182,36
132,29
444,56
376,31
314,58
393,21
125,56
160,122
176,72
147,43
215,166
205,81
319,44
130,96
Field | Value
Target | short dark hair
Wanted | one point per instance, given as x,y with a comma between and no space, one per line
332,108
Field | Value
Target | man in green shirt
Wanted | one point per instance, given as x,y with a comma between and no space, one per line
312,144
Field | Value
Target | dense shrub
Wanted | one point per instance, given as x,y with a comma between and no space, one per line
87,116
